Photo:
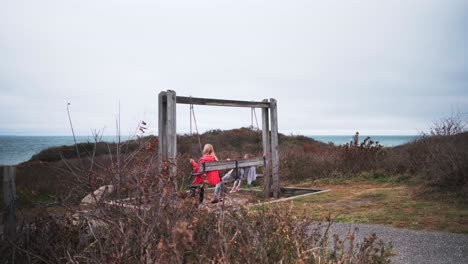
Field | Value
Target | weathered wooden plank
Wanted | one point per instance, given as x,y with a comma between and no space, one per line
213,167
220,102
9,198
274,148
231,164
288,198
171,131
266,151
239,161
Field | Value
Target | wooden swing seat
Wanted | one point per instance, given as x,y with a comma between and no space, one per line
229,164
223,165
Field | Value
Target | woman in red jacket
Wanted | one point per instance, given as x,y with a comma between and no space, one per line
211,176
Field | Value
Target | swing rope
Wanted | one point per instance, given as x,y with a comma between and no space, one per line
192,115
253,114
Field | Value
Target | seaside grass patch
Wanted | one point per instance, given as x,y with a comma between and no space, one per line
368,202
370,177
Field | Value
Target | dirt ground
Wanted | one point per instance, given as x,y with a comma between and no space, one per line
243,197
254,196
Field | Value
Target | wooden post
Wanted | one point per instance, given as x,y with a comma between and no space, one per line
9,198
266,152
171,132
274,148
162,121
167,148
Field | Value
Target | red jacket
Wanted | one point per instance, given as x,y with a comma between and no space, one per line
211,176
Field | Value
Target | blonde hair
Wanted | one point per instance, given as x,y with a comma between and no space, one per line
248,156
209,150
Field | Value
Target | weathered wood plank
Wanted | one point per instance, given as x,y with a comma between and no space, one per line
220,102
9,198
274,148
212,167
288,198
266,151
239,161
231,164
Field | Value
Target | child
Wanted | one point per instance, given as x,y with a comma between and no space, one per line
242,173
211,176
249,174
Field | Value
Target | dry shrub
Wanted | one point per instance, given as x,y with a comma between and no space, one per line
182,234
442,153
358,156
298,165
456,123
314,161
440,160
70,179
161,224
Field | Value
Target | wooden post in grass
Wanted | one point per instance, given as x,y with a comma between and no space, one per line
9,198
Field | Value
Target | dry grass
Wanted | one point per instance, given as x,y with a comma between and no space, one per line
398,205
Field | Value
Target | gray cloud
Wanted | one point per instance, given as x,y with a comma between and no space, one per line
380,67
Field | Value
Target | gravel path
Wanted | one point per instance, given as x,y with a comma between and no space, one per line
414,246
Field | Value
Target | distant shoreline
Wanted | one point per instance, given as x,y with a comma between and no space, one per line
18,149
386,141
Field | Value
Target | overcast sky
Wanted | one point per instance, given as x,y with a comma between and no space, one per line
335,67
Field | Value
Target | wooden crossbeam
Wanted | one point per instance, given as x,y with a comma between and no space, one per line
230,164
220,102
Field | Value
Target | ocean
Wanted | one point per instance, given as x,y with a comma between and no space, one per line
386,141
17,149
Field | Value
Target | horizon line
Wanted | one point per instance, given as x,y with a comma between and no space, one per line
287,134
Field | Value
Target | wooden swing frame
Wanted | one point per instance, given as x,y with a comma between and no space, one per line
167,147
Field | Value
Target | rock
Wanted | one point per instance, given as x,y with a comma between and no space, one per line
91,200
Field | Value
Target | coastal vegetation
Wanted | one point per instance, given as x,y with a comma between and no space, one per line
369,183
